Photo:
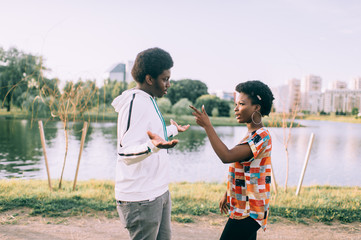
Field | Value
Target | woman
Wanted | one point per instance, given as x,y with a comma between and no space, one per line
248,188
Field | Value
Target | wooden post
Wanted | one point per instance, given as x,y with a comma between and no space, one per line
42,137
305,163
273,180
85,128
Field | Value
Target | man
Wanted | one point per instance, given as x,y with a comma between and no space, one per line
141,186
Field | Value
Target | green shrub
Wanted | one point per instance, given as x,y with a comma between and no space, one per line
182,107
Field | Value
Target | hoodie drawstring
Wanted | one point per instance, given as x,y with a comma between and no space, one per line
161,118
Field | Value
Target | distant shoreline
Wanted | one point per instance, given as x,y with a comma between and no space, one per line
274,120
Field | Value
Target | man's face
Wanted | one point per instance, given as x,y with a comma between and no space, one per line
161,84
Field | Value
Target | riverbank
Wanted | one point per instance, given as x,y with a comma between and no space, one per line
190,200
111,116
348,119
274,120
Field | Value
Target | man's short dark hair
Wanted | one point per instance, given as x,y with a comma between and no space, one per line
259,93
152,61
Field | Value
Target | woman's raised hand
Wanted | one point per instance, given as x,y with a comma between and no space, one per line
202,118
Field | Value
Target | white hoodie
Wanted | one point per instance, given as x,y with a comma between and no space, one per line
142,169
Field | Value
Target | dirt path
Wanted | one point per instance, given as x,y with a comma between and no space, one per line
17,225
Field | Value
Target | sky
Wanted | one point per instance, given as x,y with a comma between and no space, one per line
220,42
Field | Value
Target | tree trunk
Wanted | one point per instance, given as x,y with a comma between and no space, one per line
287,167
66,153
8,100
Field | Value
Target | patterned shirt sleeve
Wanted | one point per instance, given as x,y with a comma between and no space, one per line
258,143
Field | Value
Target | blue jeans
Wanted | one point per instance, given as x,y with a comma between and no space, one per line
147,220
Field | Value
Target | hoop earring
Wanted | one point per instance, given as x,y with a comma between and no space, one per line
253,120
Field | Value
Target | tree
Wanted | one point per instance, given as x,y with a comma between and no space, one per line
17,71
186,88
209,101
81,96
110,90
76,98
224,108
49,87
287,137
164,105
182,107
354,111
118,88
39,97
215,112
37,107
132,84
86,95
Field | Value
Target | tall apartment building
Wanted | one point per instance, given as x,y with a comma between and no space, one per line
312,83
338,98
312,97
281,102
294,93
341,100
338,85
355,83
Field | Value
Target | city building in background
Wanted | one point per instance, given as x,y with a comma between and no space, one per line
312,94
280,94
294,89
338,85
223,95
310,98
341,100
121,72
355,83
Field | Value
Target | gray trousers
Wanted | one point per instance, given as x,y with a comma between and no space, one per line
147,220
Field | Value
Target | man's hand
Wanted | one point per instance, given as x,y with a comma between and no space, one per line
160,142
202,118
180,128
223,206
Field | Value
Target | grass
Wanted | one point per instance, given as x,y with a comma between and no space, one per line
15,113
318,203
35,194
333,118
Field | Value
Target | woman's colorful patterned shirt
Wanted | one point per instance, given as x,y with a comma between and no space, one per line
248,187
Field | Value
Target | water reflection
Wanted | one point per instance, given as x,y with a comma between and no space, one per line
20,147
190,141
76,130
334,158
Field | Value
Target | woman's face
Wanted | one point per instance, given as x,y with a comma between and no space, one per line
244,108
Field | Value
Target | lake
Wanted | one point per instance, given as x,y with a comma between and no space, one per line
335,157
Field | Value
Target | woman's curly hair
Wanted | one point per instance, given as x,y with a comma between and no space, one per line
152,61
259,93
